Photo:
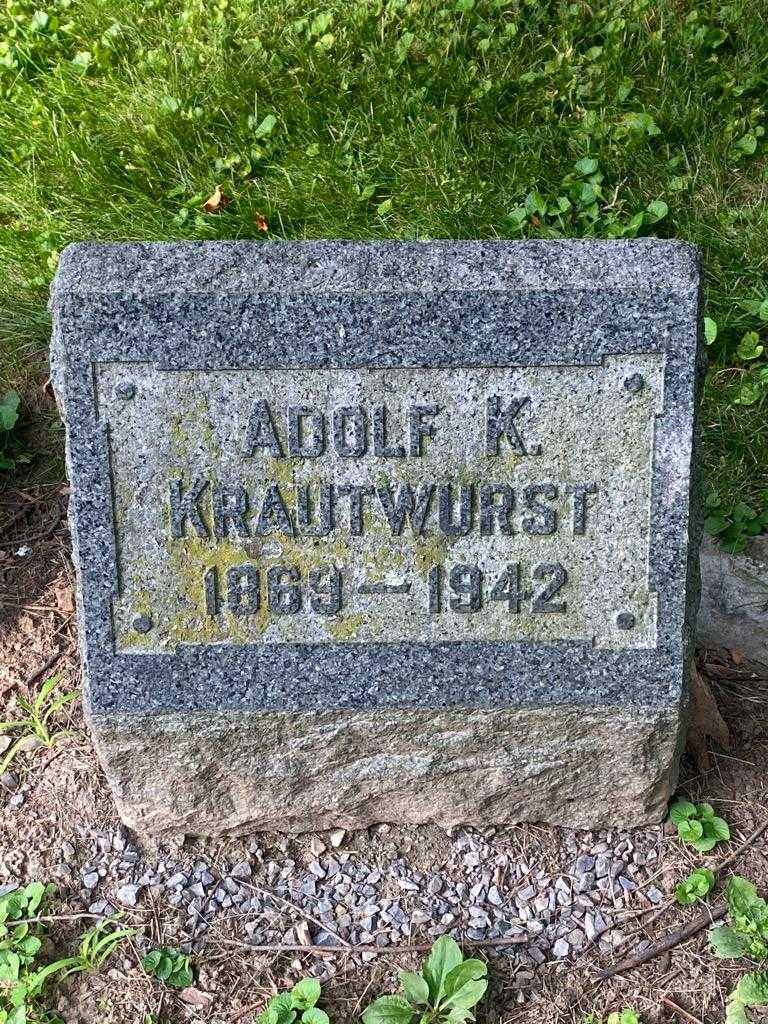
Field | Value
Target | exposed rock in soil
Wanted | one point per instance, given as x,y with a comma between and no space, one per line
734,599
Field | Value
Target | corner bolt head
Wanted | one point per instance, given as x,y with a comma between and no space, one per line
634,384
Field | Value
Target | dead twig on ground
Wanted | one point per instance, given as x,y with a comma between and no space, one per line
684,1014
418,947
43,668
47,918
744,846
668,942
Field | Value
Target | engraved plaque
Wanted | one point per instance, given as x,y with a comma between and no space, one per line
405,504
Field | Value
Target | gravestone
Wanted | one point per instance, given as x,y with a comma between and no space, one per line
382,532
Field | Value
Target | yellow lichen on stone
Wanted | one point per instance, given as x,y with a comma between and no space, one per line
344,627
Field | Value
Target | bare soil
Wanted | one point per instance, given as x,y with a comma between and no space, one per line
65,795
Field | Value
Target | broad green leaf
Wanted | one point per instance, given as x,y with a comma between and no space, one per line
735,1012
704,879
705,844
389,1010
726,942
690,830
169,105
683,895
415,988
34,893
750,391
750,347
181,976
715,524
19,994
83,59
656,211
762,311
753,988
710,330
30,945
587,165
720,828
469,995
455,1016
314,1015
321,23
9,405
9,966
680,810
305,993
266,127
384,207
468,970
165,968
631,229
536,203
281,1007
444,956
18,1015
743,900
151,960
705,811
747,144
641,124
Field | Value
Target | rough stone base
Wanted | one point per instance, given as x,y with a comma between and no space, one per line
240,771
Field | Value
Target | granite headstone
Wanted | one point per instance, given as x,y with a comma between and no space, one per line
382,531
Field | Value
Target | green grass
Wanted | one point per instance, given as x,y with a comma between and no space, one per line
400,119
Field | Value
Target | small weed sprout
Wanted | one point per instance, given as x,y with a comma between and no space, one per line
752,990
736,524
698,825
583,206
36,720
446,990
745,936
22,976
297,1004
695,887
169,965
11,449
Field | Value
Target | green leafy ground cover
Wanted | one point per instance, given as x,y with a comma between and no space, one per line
168,119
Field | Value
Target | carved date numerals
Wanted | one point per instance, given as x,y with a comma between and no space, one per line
245,587
461,588
467,588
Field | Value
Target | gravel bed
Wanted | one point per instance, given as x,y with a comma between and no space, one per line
360,889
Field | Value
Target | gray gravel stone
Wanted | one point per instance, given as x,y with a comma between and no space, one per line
128,894
561,949
654,895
